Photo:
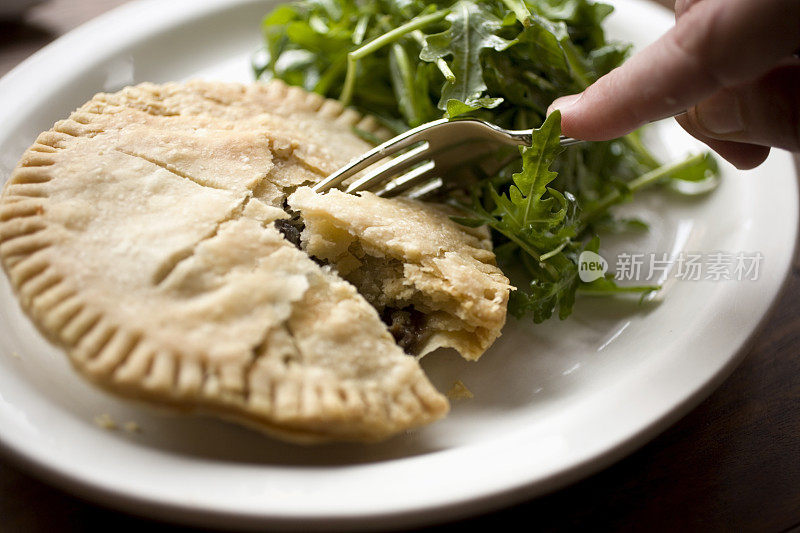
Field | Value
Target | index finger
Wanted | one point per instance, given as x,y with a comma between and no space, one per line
715,43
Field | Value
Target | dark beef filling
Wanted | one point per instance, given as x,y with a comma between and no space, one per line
291,229
406,325
320,262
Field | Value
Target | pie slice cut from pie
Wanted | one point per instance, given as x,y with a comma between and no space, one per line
148,235
434,282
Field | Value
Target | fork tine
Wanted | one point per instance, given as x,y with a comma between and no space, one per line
445,159
407,181
386,149
426,188
389,169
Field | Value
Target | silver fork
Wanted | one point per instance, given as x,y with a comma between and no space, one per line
443,145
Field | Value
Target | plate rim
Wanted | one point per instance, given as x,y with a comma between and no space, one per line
183,513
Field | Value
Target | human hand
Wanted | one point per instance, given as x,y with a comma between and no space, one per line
732,63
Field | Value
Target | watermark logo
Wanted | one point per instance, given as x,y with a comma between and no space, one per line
591,267
683,266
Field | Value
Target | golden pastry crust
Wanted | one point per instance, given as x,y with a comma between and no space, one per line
139,236
401,253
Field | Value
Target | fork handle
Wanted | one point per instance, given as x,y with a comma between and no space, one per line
567,141
525,136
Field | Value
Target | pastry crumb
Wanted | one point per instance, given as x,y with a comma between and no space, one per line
105,421
15,355
132,427
459,391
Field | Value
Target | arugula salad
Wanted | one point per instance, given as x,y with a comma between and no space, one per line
408,62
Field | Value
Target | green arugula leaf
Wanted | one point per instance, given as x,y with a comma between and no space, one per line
585,19
412,96
456,107
544,39
539,223
700,168
606,286
532,182
532,211
473,29
542,298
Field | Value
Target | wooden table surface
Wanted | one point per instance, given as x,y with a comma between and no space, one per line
731,464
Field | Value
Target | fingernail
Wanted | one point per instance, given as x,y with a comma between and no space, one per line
721,114
563,103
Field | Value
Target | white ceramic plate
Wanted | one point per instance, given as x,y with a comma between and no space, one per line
552,403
